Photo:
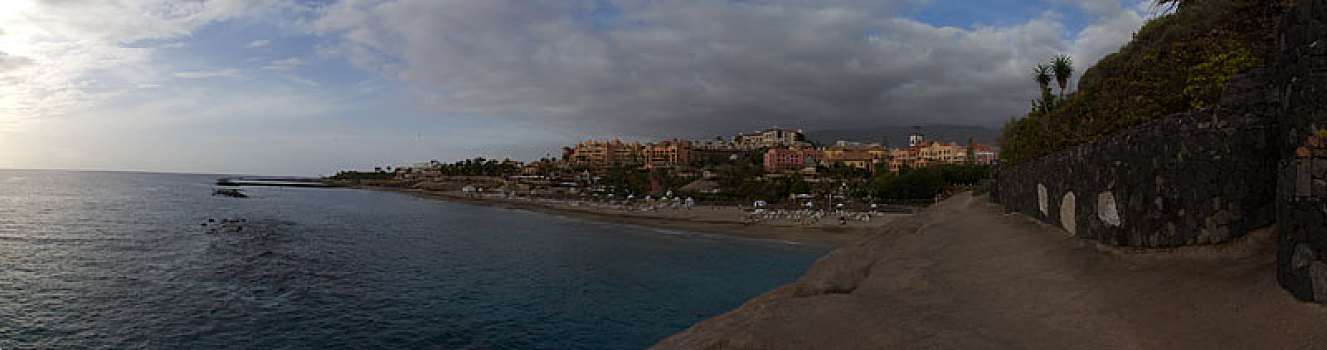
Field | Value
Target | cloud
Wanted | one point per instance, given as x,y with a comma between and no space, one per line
258,43
197,128
79,53
285,64
225,73
698,68
1113,25
8,62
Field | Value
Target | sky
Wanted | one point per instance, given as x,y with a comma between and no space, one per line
305,87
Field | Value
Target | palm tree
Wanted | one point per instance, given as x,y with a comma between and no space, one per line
1043,77
1063,68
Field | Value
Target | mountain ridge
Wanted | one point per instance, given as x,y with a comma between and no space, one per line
898,135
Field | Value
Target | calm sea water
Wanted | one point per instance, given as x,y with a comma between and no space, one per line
123,260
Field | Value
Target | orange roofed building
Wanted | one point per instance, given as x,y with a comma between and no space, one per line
863,157
667,154
930,153
596,154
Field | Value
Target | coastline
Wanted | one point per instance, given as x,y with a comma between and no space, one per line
713,220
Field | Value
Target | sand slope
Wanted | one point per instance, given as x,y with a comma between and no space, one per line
964,275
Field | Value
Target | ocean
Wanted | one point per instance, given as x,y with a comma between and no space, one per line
147,260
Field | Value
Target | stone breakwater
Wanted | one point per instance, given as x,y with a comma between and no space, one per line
1259,158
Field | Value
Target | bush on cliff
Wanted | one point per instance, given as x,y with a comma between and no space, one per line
1175,63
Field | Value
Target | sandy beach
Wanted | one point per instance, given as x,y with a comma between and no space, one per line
725,220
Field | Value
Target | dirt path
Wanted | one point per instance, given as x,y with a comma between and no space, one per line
964,275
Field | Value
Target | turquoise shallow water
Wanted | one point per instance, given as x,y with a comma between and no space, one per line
123,260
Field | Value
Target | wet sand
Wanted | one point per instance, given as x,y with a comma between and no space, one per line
717,220
965,275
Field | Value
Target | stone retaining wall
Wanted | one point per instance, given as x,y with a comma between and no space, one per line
1192,178
1259,158
1302,190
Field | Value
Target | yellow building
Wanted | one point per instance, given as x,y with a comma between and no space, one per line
863,157
929,153
601,154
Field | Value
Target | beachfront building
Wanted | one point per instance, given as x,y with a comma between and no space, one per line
900,158
931,153
598,154
790,159
594,154
927,153
771,138
667,154
935,152
983,154
862,157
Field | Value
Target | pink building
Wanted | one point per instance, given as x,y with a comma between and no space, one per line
790,159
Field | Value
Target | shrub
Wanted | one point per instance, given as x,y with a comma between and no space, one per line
1175,63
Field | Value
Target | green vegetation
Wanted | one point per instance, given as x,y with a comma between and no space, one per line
627,179
1042,74
1175,63
925,183
1063,67
363,175
479,167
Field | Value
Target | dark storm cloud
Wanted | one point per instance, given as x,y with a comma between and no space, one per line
699,68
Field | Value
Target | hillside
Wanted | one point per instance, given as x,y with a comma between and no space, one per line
1175,63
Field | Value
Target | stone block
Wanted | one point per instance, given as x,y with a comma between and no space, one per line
1106,210
1042,200
1068,216
1318,278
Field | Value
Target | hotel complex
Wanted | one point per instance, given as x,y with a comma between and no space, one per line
782,150
601,154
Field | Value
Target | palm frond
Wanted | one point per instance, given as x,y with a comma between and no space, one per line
1063,67
1042,74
